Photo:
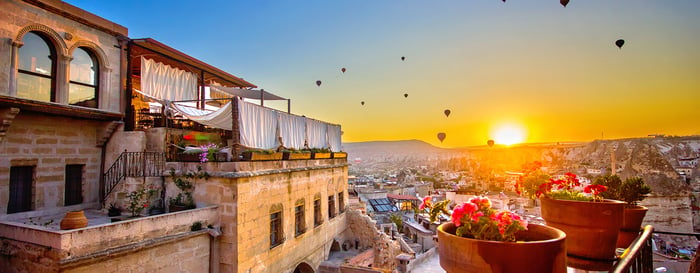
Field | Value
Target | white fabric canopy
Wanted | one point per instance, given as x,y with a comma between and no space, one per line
166,82
316,134
258,126
246,93
218,119
292,129
333,135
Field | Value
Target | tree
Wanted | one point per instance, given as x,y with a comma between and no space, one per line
614,184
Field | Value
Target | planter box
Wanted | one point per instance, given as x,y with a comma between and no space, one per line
253,156
340,155
194,157
315,155
295,156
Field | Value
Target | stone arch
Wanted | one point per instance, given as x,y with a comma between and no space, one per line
58,43
303,268
95,49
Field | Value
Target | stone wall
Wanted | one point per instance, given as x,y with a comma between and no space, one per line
385,249
247,192
186,253
45,142
669,213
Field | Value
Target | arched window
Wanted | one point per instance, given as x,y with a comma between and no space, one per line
83,79
37,69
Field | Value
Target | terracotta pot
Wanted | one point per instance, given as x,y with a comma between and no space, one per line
591,227
74,219
542,250
631,225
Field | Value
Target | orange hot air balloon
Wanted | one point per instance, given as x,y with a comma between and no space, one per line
318,83
441,136
447,112
405,95
490,142
619,43
564,2
342,69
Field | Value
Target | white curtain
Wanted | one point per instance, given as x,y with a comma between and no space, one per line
258,126
166,82
218,119
292,129
334,137
316,134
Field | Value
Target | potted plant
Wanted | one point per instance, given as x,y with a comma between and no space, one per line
139,200
261,154
184,200
320,153
631,191
479,239
114,210
294,154
340,154
590,221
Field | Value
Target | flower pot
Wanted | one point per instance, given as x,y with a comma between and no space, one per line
631,225
591,227
540,249
114,212
295,156
315,155
74,219
176,207
253,156
339,155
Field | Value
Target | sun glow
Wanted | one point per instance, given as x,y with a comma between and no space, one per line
508,134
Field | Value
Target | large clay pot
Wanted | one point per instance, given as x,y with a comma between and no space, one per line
540,249
74,219
631,225
591,227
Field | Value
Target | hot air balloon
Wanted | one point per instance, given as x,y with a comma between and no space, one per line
403,58
490,142
362,102
441,136
342,69
318,83
447,112
619,43
564,2
405,95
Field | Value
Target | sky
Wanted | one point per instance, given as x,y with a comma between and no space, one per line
517,71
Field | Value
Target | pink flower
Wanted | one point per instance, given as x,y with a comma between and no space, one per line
461,210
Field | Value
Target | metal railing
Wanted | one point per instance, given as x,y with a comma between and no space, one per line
638,257
133,164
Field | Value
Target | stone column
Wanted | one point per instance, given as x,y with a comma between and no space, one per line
62,78
14,64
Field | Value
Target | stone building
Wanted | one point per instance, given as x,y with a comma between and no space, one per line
77,133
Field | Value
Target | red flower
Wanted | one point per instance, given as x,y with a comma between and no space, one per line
481,202
460,211
426,203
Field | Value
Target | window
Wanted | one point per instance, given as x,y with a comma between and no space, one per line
299,226
37,69
21,178
74,185
341,202
276,235
83,79
331,207
317,212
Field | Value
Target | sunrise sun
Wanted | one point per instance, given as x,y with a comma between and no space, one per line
508,134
